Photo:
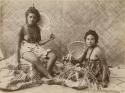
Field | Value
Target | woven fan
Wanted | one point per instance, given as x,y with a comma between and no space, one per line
76,48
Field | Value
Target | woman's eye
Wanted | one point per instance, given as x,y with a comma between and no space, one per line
30,16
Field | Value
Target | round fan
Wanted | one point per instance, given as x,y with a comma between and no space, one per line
76,48
45,21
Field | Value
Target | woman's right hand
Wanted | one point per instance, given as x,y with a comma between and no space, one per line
83,54
18,67
85,47
17,64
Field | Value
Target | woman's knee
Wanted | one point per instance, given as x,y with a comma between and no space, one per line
30,57
52,55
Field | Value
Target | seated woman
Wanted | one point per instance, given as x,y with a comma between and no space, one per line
94,58
15,71
29,44
91,67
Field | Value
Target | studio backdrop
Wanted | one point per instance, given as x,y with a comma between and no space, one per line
68,20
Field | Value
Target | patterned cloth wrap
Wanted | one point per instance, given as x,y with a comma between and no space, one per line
36,49
12,78
80,75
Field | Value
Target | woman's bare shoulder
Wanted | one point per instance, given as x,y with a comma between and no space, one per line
21,29
99,50
24,26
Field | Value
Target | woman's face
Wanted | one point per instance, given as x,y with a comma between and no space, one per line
31,19
90,40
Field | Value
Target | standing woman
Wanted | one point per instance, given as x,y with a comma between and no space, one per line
29,44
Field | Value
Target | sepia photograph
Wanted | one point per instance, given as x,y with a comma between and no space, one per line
62,46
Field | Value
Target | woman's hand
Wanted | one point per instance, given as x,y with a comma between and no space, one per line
81,58
52,37
18,64
85,47
17,55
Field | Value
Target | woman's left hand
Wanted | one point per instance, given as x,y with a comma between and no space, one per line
52,37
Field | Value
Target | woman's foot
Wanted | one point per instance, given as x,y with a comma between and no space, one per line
104,84
47,81
49,76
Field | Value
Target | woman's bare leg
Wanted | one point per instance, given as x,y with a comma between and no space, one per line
51,61
29,56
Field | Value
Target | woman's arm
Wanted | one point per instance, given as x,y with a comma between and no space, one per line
83,54
46,41
20,37
102,58
105,68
